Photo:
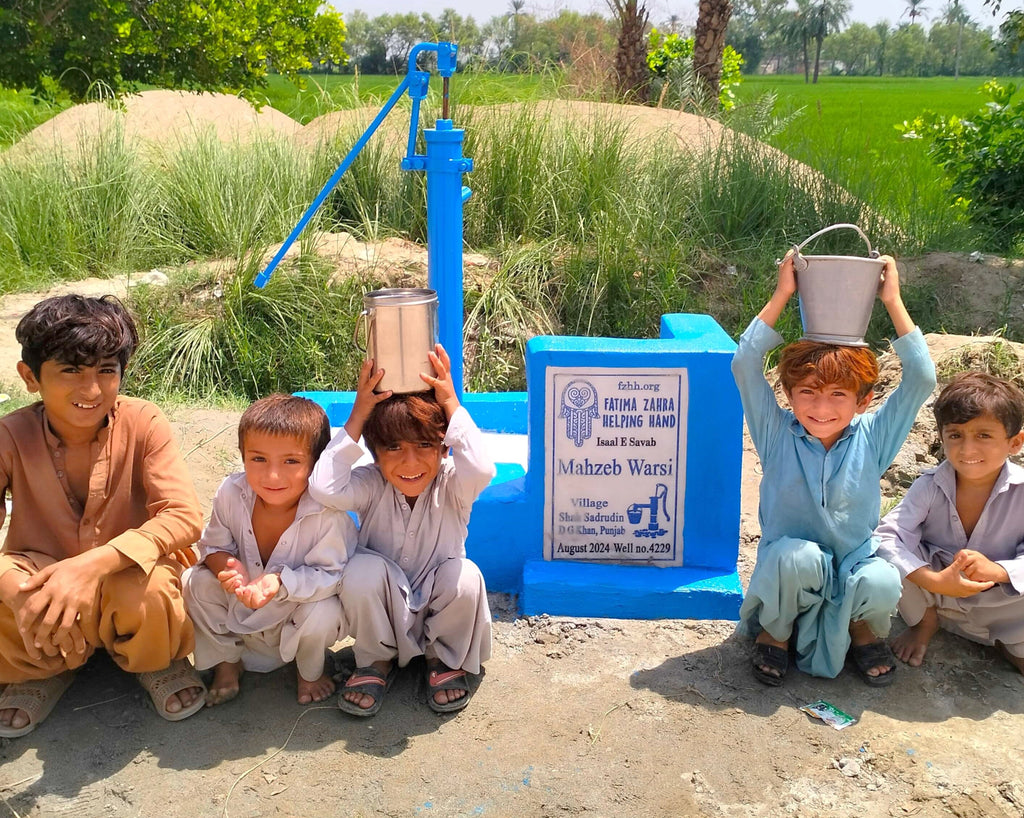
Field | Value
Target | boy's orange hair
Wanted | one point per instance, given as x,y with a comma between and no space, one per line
410,417
287,416
854,368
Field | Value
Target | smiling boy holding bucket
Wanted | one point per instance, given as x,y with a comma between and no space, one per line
817,589
410,590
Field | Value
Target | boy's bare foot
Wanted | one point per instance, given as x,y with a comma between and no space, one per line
315,691
225,684
1016,661
911,645
860,635
364,700
765,638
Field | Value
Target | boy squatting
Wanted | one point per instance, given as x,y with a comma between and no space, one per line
103,518
816,581
957,537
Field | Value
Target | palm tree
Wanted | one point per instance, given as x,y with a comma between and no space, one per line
954,13
709,42
915,9
631,74
515,7
825,17
881,28
796,31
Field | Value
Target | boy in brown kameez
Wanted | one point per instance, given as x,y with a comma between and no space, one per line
103,517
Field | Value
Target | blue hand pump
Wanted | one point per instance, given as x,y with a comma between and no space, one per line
444,165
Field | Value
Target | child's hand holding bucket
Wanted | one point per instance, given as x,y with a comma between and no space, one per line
785,287
889,295
366,397
889,287
444,388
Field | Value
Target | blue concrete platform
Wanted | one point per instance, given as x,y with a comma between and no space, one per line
628,592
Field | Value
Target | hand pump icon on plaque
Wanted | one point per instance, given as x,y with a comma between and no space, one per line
635,513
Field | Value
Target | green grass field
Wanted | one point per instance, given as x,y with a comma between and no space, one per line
330,92
20,112
847,130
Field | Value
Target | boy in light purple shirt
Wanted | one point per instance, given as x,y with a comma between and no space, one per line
957,537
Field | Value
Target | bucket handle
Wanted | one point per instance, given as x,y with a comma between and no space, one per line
355,332
800,263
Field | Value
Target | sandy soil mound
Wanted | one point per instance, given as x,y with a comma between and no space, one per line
645,124
988,291
158,118
348,125
691,132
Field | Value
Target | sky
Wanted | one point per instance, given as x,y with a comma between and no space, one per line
865,11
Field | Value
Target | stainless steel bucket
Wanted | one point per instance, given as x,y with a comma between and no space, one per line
401,328
837,293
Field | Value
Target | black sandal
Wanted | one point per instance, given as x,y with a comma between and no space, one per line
873,654
772,657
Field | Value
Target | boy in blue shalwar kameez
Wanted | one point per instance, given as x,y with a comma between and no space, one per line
816,580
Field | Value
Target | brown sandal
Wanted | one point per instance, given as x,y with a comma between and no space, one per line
162,684
37,697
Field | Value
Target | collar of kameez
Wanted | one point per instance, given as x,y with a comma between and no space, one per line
54,442
945,478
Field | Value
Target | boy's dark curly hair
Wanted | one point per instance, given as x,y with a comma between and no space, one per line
76,330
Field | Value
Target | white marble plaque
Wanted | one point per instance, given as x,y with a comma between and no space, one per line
615,465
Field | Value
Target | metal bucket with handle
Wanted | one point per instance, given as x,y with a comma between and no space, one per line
837,293
401,328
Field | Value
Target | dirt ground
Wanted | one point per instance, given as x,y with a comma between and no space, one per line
593,717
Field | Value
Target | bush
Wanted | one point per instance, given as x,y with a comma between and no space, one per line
671,60
984,157
213,338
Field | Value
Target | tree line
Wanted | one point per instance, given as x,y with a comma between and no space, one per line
76,45
814,36
772,35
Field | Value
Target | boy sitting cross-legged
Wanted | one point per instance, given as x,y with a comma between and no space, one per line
267,590
957,537
103,517
817,586
410,590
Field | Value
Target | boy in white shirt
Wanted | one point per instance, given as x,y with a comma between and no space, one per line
266,591
409,590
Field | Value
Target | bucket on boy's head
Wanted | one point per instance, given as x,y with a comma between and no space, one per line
401,329
837,293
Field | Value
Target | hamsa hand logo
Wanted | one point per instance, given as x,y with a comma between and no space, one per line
579,408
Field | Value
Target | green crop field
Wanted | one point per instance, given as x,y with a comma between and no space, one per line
329,92
857,116
847,129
